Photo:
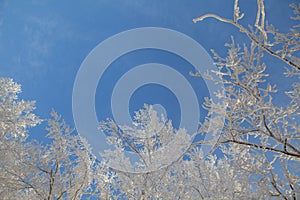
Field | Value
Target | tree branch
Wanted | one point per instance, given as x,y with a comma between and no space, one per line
262,147
250,36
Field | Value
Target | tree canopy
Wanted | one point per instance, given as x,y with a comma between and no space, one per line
256,157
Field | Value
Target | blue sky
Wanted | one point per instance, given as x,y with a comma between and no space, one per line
43,43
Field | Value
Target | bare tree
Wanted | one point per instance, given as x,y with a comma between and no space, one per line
155,140
63,169
271,132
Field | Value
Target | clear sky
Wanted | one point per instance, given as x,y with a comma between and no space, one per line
43,43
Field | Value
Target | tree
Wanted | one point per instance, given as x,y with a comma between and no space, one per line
258,151
260,140
63,169
155,140
15,117
270,132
